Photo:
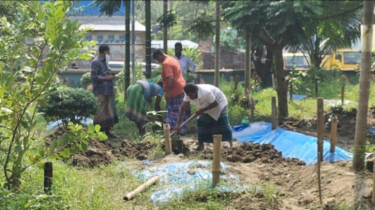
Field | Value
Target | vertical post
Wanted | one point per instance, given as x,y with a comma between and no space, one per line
316,89
342,93
165,27
291,90
231,79
217,45
168,143
333,134
252,109
319,182
320,128
236,83
373,184
273,82
133,44
201,79
127,46
48,174
148,38
216,160
274,113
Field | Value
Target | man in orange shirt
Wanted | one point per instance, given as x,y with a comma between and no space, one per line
173,85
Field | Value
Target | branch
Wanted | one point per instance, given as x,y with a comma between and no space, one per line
340,13
263,40
2,126
281,41
269,36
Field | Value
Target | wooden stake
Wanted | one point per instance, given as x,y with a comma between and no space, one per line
291,90
237,81
319,182
48,177
333,134
342,93
141,188
252,109
216,160
273,82
231,79
320,128
168,143
274,113
373,184
316,89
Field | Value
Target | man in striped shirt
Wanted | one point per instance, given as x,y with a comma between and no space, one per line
139,95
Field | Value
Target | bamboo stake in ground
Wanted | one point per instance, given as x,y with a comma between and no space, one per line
333,134
373,184
320,128
141,188
216,160
48,176
168,143
342,93
274,113
319,182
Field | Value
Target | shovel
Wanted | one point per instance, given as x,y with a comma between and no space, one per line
174,138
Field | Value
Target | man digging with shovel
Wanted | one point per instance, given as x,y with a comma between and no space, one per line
212,111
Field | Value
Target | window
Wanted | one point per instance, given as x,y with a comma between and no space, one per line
88,37
100,38
299,60
352,57
122,37
338,57
111,37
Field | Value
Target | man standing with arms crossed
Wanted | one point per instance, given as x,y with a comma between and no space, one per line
173,85
103,88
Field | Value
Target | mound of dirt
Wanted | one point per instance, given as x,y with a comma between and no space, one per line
249,152
104,152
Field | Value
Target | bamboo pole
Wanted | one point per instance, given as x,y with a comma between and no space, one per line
342,93
168,143
291,90
237,81
48,177
333,134
273,82
216,160
373,184
274,113
320,128
319,182
141,188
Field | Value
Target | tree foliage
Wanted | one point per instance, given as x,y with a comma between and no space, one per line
59,41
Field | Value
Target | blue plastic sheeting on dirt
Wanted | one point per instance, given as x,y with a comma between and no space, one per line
298,97
291,144
175,179
84,122
371,130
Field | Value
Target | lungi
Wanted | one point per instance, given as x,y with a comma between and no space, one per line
136,104
173,107
106,116
208,126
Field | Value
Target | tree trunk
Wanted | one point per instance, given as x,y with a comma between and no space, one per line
282,90
264,69
364,87
148,38
217,45
248,67
127,46
165,26
133,44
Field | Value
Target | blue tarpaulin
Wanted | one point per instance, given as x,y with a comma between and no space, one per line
298,97
291,144
175,179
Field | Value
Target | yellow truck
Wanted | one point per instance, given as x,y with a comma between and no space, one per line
301,62
343,59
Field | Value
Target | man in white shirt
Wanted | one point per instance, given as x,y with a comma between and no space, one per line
212,109
186,64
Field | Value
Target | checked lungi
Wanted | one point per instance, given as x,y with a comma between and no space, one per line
173,107
106,116
208,126
136,104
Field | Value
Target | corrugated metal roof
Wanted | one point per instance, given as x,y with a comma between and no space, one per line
171,43
105,23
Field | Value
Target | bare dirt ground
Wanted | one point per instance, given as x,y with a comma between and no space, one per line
296,184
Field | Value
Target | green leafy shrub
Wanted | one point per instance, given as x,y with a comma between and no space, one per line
85,80
69,102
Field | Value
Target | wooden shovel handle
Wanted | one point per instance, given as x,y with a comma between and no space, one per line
183,124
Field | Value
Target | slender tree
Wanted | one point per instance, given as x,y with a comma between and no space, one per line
248,67
165,26
364,87
217,45
148,37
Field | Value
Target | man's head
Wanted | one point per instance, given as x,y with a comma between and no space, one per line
178,49
191,90
159,56
104,51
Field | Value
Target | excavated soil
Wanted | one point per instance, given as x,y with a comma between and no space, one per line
249,152
104,152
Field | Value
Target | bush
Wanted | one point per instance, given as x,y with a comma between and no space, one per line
86,80
69,102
